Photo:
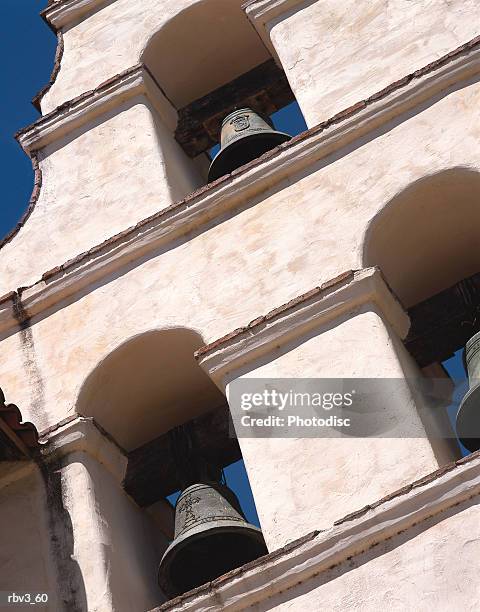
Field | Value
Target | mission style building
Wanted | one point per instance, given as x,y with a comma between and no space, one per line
136,292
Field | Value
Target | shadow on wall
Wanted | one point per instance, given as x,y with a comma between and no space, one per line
426,238
201,48
148,385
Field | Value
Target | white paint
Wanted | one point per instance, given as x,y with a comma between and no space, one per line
337,53
227,257
26,563
92,179
181,178
330,476
114,541
223,276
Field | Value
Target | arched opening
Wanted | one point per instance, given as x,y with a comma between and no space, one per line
148,385
208,60
203,47
425,241
426,238
150,395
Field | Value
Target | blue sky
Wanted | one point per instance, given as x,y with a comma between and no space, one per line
27,48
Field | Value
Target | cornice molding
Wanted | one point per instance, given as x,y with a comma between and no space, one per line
266,10
308,557
88,106
80,110
304,314
200,207
78,434
63,13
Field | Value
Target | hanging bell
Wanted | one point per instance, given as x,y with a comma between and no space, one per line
212,537
468,416
245,136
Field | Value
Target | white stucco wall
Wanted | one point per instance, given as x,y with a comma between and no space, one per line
108,42
114,38
430,567
221,277
287,240
338,53
96,182
114,540
26,564
304,484
239,268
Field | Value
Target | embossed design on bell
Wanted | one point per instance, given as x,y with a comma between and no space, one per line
240,123
186,507
468,416
245,135
212,537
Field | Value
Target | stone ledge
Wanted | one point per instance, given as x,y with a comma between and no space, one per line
78,111
79,434
296,318
63,12
318,552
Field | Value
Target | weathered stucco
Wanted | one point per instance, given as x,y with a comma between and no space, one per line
332,475
430,566
274,240
114,541
334,556
26,560
116,37
330,204
97,181
222,276
337,53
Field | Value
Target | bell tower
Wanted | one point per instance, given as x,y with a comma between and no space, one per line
159,298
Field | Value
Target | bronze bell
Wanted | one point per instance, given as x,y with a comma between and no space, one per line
245,136
212,537
468,416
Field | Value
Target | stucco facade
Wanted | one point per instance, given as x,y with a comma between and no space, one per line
126,258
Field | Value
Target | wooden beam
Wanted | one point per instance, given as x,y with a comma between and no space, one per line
442,324
151,472
264,89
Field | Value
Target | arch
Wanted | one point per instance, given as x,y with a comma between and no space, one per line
201,48
148,385
426,238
